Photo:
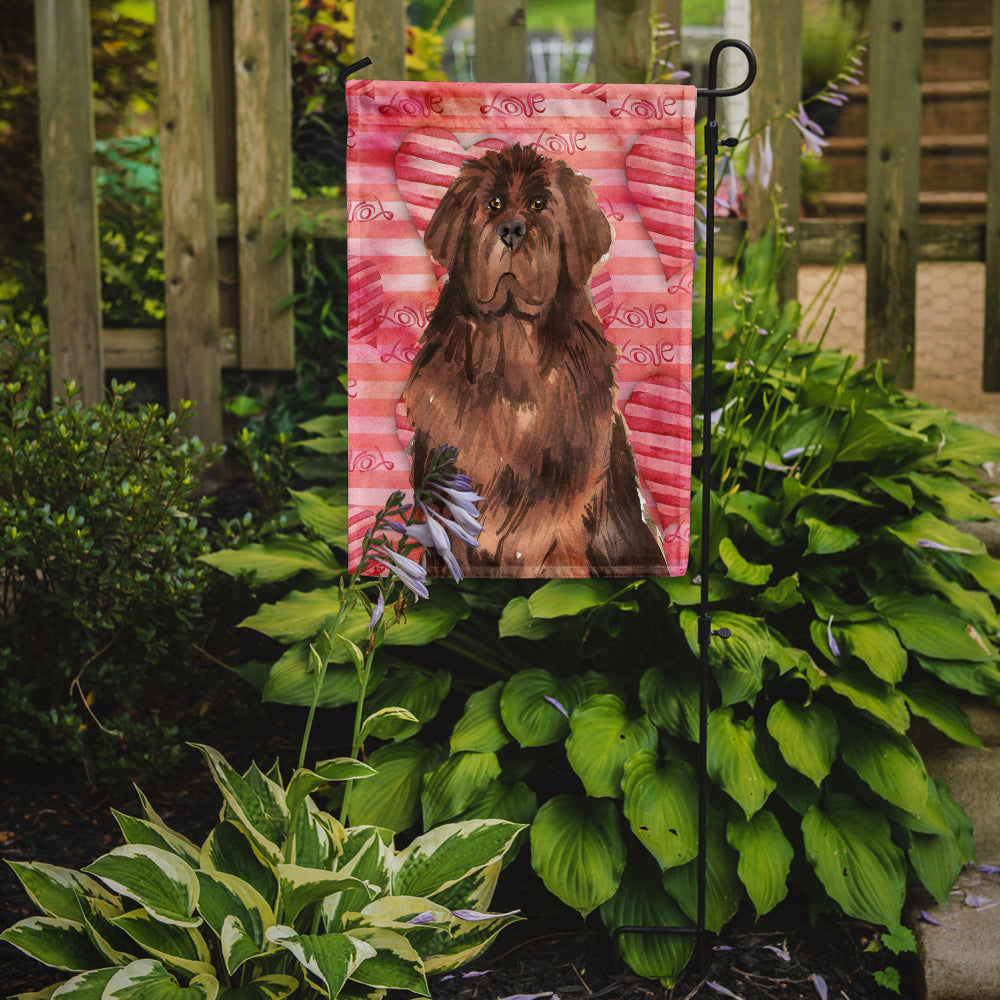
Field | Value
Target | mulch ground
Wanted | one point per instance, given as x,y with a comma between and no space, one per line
551,953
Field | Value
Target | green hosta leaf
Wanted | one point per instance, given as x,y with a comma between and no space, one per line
147,979
928,528
292,680
850,847
738,661
807,736
671,699
661,798
330,959
976,678
958,502
723,889
758,511
225,897
230,849
975,605
965,443
395,964
876,646
391,798
279,558
870,436
528,710
866,692
827,539
54,941
159,881
180,948
931,628
732,760
602,738
415,689
578,851
301,887
560,598
327,520
986,571
893,488
515,803
783,595
56,891
765,858
641,901
141,831
441,857
941,709
275,987
751,574
260,809
517,620
456,784
937,859
888,763
481,728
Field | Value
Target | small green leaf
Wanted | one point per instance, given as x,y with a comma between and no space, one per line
928,528
671,699
418,690
481,727
384,723
535,706
327,520
807,736
936,704
562,598
391,798
828,539
932,628
517,620
279,558
732,760
765,858
751,574
456,784
888,763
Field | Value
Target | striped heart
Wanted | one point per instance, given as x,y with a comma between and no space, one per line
364,300
666,209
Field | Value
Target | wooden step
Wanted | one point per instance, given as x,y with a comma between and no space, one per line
956,53
957,206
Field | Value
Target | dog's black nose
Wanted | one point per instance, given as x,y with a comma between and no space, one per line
511,232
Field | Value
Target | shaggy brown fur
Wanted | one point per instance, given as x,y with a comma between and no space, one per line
514,370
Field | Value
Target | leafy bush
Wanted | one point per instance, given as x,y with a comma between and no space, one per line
99,540
279,899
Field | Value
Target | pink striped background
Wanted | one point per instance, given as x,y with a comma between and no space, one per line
406,142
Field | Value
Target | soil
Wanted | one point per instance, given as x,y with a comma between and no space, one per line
551,952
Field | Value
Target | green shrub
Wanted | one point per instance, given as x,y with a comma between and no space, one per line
854,604
279,900
99,542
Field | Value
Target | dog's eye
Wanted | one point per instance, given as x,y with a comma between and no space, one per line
496,203
538,204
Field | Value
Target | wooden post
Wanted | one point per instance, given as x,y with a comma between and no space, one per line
667,13
991,333
893,183
190,254
501,41
261,56
622,40
776,35
72,255
380,34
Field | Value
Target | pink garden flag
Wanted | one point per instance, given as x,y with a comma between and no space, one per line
520,264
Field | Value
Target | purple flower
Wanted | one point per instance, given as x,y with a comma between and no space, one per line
558,705
475,915
820,983
927,543
427,917
409,572
719,988
761,163
377,612
834,648
811,132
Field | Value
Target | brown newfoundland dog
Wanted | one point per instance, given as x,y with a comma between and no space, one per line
514,370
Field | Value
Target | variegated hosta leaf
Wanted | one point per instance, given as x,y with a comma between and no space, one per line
807,736
98,915
56,891
367,853
147,979
395,964
661,799
466,941
274,987
765,858
329,959
54,941
417,690
578,851
441,857
642,902
300,887
602,737
158,880
850,847
888,763
177,947
456,784
225,897
476,890
230,849
315,838
732,760
141,831
481,727
256,801
86,986
535,706
304,782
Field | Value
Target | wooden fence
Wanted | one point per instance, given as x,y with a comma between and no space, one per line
226,160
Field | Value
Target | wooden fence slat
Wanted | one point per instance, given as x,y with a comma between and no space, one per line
776,36
501,41
991,331
72,256
380,34
892,215
190,253
621,40
261,57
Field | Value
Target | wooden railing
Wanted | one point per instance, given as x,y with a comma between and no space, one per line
226,160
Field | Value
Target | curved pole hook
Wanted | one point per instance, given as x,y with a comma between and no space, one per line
713,69
353,68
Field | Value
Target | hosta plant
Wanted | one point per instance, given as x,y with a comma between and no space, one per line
279,900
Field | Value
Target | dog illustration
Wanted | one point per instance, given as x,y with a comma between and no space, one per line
514,370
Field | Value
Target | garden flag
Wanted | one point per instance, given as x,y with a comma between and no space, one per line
520,266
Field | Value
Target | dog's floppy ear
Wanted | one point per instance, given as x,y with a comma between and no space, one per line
586,231
449,222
